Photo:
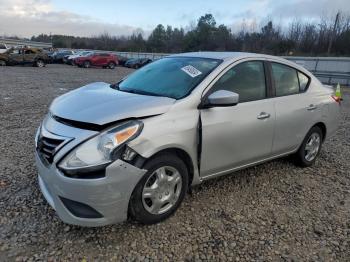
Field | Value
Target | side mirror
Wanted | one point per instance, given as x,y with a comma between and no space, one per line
221,98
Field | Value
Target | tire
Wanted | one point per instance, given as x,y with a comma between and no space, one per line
39,63
2,63
136,66
140,207
310,148
87,64
111,65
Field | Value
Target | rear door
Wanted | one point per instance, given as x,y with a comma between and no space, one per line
235,136
101,59
296,108
28,56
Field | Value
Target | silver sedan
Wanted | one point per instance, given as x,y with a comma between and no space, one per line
106,153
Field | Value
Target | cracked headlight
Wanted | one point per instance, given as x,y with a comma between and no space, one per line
100,149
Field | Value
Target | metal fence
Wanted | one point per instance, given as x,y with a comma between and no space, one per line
330,70
18,42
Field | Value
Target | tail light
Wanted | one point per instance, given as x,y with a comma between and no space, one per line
336,99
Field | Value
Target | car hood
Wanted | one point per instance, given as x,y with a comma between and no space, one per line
99,104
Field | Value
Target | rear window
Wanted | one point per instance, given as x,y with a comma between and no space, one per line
285,79
303,81
288,80
173,77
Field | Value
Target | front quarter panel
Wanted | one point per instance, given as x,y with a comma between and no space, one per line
174,129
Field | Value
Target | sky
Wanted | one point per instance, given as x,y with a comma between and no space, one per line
25,18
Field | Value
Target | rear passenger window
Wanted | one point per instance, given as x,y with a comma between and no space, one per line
246,79
286,80
303,81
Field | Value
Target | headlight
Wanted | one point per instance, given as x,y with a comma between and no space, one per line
100,149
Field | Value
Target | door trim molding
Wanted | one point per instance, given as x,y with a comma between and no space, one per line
221,173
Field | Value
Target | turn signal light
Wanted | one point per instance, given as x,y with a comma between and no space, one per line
125,134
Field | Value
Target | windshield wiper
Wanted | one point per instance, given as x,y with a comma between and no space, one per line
115,86
139,92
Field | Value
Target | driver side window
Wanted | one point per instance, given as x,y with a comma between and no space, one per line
246,79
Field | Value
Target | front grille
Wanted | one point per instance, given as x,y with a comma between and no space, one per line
47,148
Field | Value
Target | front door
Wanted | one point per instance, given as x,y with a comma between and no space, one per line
238,135
16,57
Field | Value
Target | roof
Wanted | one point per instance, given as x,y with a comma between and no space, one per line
225,55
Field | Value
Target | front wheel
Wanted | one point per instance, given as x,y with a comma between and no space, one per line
310,148
160,192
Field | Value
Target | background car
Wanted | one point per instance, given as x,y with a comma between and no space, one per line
22,56
57,57
137,62
69,59
3,48
122,60
105,60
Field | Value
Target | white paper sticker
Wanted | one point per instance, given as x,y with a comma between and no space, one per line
191,71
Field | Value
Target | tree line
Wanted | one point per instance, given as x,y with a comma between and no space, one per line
324,37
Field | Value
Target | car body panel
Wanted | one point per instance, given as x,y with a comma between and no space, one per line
102,105
237,127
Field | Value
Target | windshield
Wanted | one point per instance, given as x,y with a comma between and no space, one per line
85,53
173,77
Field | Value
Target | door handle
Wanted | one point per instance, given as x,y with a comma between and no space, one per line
311,107
263,115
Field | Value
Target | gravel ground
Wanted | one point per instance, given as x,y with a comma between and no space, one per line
274,211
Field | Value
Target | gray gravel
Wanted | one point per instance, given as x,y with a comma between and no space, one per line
274,211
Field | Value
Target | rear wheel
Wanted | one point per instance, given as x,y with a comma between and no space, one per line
87,64
2,63
310,148
161,191
136,66
39,63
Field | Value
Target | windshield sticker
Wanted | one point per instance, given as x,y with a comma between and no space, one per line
191,71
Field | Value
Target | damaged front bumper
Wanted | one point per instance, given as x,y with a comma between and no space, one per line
90,202
83,201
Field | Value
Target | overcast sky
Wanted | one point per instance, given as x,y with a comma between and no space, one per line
87,17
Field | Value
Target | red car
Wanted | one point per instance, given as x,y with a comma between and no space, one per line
104,60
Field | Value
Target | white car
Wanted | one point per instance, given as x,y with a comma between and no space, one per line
70,59
3,48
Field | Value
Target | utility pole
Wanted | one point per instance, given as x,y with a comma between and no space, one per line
333,33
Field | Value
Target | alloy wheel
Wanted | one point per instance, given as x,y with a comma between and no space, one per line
162,190
39,63
312,146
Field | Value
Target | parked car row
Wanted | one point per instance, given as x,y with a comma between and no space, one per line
88,58
38,57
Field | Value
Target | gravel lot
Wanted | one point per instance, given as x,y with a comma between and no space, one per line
274,211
